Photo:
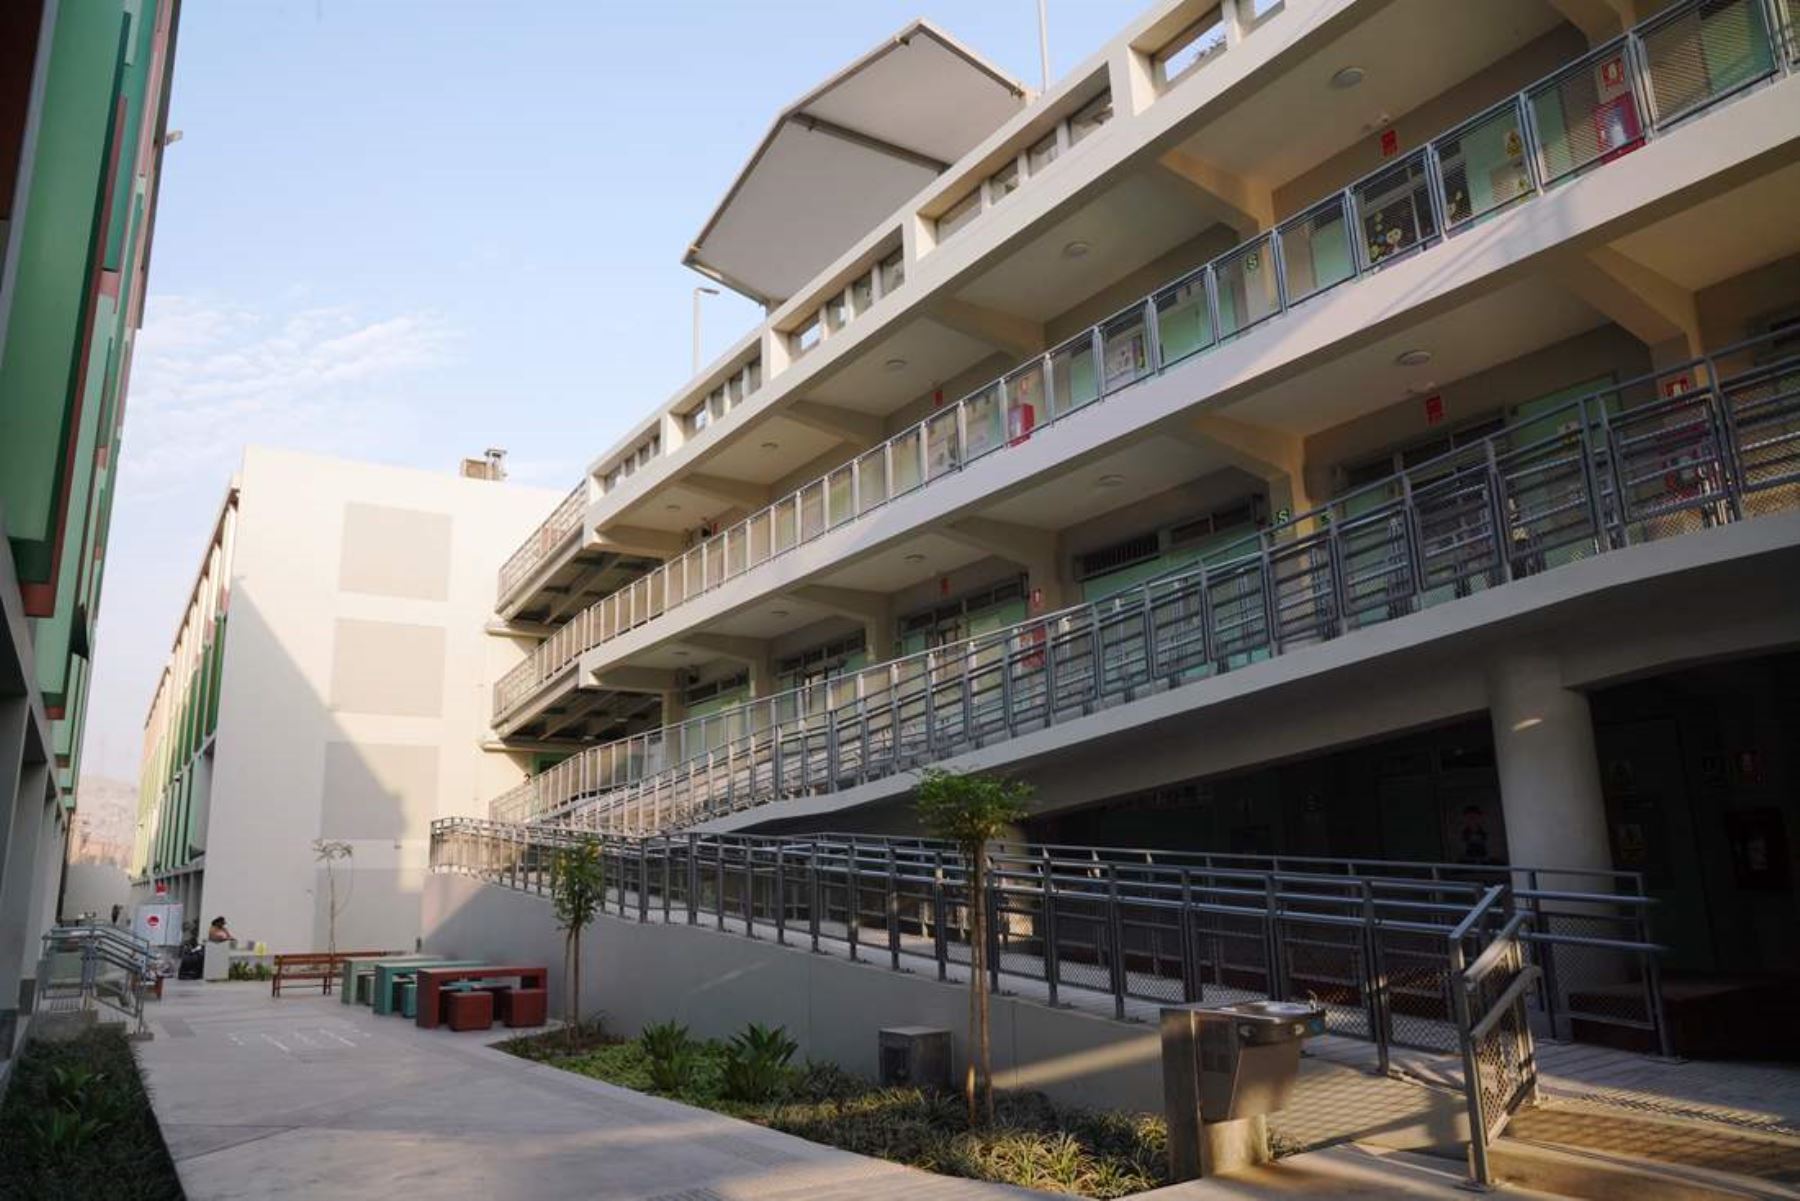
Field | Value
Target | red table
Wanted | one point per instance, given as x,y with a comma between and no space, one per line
431,981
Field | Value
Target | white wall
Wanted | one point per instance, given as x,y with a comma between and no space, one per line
356,689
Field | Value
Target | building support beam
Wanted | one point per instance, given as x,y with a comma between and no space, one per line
637,679
860,430
1649,306
737,493
1018,336
1246,205
751,652
1039,552
1276,457
639,542
874,610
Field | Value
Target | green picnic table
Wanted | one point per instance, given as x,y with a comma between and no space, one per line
357,971
388,973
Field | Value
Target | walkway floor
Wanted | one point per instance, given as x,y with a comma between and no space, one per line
303,1097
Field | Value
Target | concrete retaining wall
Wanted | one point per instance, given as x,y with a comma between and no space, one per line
716,982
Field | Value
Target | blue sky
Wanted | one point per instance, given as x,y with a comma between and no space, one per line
406,230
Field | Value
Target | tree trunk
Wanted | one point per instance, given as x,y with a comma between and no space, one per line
983,996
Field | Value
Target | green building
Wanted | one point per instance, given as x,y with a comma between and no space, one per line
84,90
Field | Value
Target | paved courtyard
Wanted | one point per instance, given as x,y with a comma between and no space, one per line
305,1097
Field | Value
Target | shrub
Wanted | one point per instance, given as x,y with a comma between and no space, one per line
756,1062
77,1123
673,1056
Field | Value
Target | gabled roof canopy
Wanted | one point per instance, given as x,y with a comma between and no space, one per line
847,155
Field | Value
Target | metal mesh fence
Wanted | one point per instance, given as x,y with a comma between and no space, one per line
1700,51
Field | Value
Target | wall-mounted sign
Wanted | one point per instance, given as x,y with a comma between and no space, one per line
1612,73
1434,409
1390,143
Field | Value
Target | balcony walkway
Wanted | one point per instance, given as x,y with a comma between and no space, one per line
305,1098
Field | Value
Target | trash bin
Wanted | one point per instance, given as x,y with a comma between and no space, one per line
1225,1069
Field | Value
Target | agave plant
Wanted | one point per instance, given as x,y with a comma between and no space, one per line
756,1062
673,1056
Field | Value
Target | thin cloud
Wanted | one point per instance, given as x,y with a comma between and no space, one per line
208,379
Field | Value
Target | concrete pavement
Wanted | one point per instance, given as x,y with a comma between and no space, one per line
304,1097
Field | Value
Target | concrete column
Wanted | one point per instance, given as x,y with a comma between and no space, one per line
15,712
1549,770
19,894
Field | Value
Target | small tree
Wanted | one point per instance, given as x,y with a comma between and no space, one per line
972,811
577,891
328,853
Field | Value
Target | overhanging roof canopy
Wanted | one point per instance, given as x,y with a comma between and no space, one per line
847,155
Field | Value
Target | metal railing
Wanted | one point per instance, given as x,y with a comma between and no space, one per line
1640,461
1590,112
1381,945
546,540
1498,1052
93,967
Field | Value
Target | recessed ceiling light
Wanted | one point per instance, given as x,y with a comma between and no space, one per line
771,446
673,508
1413,358
915,557
1347,77
1076,249
895,365
681,654
778,612
1109,481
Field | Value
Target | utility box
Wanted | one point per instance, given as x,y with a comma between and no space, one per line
916,1057
1225,1069
158,923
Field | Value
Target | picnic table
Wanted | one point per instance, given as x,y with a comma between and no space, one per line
360,973
432,982
388,973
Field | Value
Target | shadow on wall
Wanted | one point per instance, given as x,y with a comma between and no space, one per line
634,974
291,767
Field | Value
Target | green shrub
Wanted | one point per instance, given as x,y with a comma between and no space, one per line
77,1124
756,1062
673,1056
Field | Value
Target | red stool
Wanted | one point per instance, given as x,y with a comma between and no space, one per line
473,1010
527,1007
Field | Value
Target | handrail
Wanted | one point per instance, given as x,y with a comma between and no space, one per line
1554,488
550,534
1116,936
1186,318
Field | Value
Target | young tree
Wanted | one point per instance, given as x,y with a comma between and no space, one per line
972,811
577,891
328,853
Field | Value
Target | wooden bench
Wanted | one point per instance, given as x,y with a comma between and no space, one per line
431,982
321,967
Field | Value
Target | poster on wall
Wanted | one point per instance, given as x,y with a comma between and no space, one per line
1759,849
1474,831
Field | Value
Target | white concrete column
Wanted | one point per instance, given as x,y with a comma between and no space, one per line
19,890
1549,770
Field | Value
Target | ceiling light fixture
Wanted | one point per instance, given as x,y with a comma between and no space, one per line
1076,249
778,612
673,508
894,365
771,446
1413,358
915,557
1347,77
1109,481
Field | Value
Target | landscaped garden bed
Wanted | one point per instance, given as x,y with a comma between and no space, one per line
76,1124
1032,1142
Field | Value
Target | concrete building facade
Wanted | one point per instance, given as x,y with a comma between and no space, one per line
84,92
327,683
1328,427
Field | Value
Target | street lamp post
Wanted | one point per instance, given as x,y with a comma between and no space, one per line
698,291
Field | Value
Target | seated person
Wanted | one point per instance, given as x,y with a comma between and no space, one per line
219,932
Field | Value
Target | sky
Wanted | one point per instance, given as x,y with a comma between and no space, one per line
408,230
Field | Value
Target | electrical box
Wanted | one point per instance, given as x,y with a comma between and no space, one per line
916,1056
158,924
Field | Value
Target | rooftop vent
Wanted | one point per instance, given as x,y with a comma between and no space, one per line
490,466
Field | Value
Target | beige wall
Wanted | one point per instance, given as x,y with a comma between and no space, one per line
356,689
